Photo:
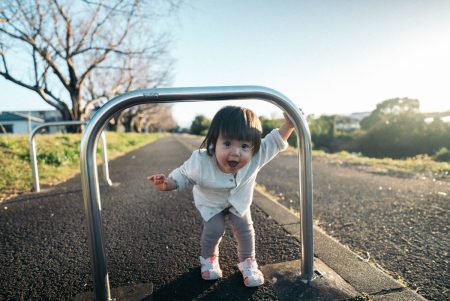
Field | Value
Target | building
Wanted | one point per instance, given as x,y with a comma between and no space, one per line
431,116
47,115
350,122
16,123
23,122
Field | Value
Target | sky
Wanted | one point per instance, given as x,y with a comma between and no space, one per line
328,57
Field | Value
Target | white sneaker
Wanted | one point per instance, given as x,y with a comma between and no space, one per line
210,268
250,272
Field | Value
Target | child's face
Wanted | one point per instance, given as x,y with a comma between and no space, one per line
232,154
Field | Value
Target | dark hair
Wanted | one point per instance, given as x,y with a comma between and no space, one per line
233,123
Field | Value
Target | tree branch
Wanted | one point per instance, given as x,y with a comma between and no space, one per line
85,51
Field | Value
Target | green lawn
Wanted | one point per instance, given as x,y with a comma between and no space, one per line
58,157
419,165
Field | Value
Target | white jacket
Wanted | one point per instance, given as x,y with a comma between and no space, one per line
215,190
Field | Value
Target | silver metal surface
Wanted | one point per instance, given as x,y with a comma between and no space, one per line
89,177
32,142
105,159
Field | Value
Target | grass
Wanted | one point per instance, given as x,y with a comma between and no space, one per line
58,157
410,167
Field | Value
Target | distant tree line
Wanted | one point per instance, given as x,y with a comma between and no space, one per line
395,129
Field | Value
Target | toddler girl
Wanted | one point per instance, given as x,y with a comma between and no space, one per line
223,173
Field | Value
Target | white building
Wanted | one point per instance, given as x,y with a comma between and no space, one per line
18,123
350,122
22,122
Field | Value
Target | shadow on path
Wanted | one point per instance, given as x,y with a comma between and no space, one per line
190,286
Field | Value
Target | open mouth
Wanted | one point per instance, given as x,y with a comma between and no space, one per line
233,163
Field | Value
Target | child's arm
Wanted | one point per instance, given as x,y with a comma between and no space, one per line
286,128
162,182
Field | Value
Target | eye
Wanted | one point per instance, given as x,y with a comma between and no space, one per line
227,143
245,146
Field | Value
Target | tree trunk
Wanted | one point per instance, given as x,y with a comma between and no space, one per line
76,110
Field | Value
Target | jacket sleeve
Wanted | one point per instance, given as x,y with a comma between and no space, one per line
187,173
271,145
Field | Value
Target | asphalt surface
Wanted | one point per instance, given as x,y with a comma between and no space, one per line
399,224
150,237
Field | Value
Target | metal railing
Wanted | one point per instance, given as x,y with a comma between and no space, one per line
89,177
32,142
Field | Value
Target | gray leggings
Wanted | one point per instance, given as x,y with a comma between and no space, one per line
243,232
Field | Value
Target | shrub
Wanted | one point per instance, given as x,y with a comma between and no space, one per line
51,158
442,155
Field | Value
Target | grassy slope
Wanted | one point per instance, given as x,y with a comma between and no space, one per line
58,158
410,167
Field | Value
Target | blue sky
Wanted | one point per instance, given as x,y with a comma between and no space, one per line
326,56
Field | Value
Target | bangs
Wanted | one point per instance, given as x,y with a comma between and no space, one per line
240,132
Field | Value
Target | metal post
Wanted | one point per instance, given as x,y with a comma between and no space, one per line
34,166
33,156
29,122
105,159
89,177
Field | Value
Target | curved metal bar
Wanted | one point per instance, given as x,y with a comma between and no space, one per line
105,159
89,177
33,156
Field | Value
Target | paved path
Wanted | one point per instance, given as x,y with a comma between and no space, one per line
150,237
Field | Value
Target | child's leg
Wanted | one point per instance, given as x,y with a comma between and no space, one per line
244,234
213,231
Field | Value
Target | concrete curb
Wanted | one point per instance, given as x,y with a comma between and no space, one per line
363,276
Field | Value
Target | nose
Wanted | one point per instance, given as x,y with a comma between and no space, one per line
235,151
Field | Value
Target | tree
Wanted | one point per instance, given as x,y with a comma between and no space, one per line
150,118
269,124
81,52
200,125
323,130
388,108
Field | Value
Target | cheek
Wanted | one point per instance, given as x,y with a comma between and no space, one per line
246,157
220,153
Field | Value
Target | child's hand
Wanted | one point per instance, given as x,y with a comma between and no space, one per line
287,127
288,120
161,182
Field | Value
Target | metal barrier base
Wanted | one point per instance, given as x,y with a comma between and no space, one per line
137,292
288,284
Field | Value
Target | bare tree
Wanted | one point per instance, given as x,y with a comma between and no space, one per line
76,53
157,118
